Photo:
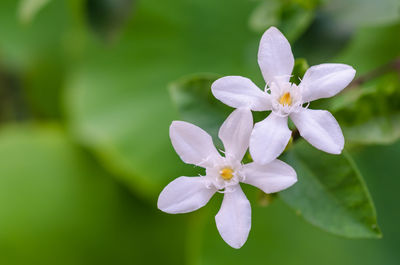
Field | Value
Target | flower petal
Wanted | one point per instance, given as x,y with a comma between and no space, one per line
235,133
325,80
240,92
320,129
269,138
184,194
275,56
193,144
234,218
272,177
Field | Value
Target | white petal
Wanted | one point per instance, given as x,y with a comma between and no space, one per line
234,218
275,56
235,133
193,144
269,138
325,80
271,177
240,92
184,194
320,129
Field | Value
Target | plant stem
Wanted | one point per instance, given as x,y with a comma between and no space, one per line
391,66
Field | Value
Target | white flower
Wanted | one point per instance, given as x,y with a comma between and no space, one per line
270,136
223,173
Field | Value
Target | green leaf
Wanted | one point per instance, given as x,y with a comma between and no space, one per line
377,130
369,114
290,17
126,129
196,104
265,15
58,206
29,8
331,193
117,102
356,13
295,20
26,42
372,47
277,231
37,52
107,17
42,83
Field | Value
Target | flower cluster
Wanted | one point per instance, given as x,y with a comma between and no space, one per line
266,141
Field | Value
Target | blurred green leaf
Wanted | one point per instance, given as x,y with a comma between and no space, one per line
377,130
196,104
331,193
356,13
57,206
29,8
38,53
370,114
372,47
310,4
42,83
291,17
278,236
13,106
107,17
323,40
127,130
20,44
265,15
295,20
117,102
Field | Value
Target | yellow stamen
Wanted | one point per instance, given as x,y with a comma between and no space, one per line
226,173
286,99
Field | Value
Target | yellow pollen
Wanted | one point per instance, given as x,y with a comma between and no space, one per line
286,99
226,173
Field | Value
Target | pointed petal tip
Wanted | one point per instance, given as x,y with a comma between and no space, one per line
349,68
235,132
236,246
161,208
270,178
353,71
175,124
233,220
320,129
240,92
273,29
275,56
162,204
184,195
326,80
336,151
294,180
193,144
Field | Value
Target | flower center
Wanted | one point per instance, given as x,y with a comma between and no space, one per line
226,173
286,99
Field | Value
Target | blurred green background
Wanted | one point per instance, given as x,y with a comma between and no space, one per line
85,110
